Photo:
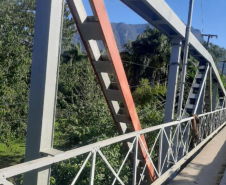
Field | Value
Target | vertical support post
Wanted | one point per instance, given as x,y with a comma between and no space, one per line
208,96
92,173
198,108
215,92
161,158
176,142
222,72
135,162
172,80
210,89
44,75
184,69
201,101
170,97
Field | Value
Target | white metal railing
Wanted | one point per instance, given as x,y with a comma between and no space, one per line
180,147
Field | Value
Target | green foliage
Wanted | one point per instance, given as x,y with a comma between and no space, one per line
16,39
145,94
16,42
11,155
82,112
150,103
218,53
223,78
82,118
82,115
151,51
65,172
69,30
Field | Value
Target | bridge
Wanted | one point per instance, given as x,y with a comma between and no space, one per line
156,153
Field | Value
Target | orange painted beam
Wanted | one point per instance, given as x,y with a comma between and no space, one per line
120,72
106,28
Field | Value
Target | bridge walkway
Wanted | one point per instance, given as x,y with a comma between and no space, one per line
207,168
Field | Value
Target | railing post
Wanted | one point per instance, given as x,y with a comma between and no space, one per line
161,152
44,75
92,172
210,89
215,92
200,105
135,162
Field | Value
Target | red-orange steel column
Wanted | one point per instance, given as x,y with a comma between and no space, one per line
120,72
109,40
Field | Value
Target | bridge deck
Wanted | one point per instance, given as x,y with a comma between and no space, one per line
208,166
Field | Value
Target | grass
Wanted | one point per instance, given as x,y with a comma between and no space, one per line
12,155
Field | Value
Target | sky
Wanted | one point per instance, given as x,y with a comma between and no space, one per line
209,16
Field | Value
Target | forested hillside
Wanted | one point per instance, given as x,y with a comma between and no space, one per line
82,115
125,32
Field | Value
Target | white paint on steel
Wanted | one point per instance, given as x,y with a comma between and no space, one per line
135,162
110,167
124,161
185,60
172,80
81,169
46,161
92,170
44,76
201,90
177,166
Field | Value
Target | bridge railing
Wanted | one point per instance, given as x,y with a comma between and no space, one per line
182,144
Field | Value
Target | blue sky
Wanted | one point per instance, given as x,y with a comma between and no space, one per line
213,15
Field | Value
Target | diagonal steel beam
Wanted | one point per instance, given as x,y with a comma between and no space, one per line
201,89
108,67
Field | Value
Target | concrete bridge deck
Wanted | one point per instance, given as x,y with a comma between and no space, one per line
208,167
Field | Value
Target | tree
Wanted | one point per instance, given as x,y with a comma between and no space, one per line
151,53
16,42
150,103
82,112
218,53
82,118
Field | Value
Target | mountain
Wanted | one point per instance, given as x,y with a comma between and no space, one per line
124,32
197,33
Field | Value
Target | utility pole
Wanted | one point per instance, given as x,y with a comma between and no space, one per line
185,59
209,36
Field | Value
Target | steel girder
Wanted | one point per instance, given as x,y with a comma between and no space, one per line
162,17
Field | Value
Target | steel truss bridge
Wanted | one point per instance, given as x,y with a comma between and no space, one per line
173,138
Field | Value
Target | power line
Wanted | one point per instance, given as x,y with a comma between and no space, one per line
8,104
164,101
149,83
148,108
202,15
147,66
142,116
13,121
